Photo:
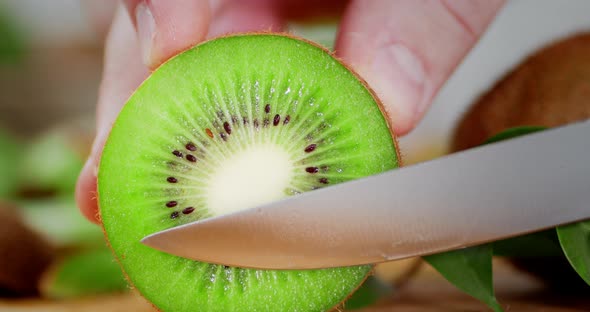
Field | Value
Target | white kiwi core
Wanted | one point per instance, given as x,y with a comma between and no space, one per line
256,175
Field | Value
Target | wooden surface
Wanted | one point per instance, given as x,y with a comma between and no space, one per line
425,292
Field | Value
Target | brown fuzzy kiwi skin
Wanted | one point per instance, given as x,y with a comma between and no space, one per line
339,60
550,88
25,255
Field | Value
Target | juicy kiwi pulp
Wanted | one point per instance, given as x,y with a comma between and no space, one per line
233,123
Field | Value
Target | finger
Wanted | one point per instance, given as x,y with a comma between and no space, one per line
407,49
165,27
123,72
100,15
231,16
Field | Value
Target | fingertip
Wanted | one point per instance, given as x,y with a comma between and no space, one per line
397,77
406,58
86,186
165,28
86,192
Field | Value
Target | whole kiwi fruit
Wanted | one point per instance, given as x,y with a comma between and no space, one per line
232,123
550,88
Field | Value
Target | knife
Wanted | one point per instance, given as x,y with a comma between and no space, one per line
488,193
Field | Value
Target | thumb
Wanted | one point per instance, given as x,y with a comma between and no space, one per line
407,49
165,27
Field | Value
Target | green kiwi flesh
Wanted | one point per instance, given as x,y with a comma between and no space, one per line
229,124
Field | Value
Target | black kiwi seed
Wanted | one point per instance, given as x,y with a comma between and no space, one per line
276,120
191,158
223,136
172,180
312,169
267,108
174,215
171,204
188,210
209,133
287,119
191,147
227,127
177,153
310,148
324,180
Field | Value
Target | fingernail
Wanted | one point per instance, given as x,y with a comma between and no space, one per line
146,27
399,79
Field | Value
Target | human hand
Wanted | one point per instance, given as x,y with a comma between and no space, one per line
404,49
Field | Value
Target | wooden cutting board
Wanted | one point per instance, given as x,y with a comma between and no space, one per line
426,291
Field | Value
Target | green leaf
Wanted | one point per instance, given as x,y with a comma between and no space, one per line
513,133
369,293
89,273
12,44
538,244
51,163
470,270
575,241
10,159
59,220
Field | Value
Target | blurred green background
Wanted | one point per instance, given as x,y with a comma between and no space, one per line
50,66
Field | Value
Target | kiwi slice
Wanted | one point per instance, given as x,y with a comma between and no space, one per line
229,124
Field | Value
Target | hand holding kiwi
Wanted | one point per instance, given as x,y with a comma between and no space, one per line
405,68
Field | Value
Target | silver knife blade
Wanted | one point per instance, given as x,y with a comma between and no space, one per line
488,193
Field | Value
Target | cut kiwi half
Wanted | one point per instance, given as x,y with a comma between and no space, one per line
232,123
